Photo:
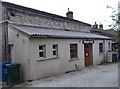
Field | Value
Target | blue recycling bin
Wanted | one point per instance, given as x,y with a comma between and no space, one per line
3,71
115,57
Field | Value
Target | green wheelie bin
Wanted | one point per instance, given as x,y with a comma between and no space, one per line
13,74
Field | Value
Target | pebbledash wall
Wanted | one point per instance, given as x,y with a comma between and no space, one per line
22,15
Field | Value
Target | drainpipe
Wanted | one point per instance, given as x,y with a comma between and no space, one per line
104,50
5,41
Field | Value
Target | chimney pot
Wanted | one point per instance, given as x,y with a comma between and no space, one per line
95,26
68,9
69,14
101,26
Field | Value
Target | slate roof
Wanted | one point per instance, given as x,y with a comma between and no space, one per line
36,31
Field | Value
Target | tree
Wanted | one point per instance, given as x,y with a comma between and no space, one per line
116,19
118,36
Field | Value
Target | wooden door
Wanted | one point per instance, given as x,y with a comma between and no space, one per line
87,55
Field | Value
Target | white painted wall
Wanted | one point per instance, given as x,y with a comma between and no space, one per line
26,53
20,52
40,69
100,57
107,48
97,57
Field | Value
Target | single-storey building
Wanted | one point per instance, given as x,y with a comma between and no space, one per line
46,44
45,52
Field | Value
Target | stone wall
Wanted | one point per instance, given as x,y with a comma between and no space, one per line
77,26
25,17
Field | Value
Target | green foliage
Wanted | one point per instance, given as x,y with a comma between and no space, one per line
116,19
118,36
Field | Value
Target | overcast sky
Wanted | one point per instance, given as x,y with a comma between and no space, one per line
87,11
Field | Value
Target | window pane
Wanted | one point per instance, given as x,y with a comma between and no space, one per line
100,47
55,50
73,50
74,46
54,46
42,51
40,47
41,54
71,56
109,45
54,53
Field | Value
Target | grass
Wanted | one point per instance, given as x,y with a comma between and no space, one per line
25,84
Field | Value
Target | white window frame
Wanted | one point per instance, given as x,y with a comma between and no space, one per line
43,50
55,49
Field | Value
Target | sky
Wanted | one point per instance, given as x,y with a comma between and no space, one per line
89,11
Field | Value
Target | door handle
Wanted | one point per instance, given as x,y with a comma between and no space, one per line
86,54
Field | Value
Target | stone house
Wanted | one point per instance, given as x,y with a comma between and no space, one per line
46,44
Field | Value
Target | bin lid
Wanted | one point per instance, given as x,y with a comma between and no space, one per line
4,63
13,65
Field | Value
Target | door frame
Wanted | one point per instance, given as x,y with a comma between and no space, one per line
90,54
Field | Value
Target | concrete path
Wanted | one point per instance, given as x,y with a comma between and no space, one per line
95,76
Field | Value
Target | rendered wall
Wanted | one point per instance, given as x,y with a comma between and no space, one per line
100,57
41,69
25,51
47,68
20,52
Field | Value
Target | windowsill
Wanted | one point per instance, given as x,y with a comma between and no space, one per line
73,59
45,59
100,53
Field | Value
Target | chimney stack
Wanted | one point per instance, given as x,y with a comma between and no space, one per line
69,14
101,26
95,26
